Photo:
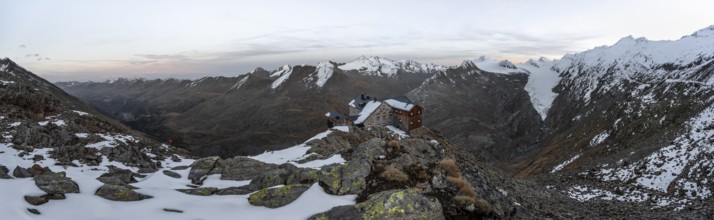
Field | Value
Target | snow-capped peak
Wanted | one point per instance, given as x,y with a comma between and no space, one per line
705,32
467,64
379,66
323,72
283,73
635,57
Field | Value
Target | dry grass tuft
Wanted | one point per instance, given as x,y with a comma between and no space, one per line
394,145
449,165
464,187
482,206
464,200
393,174
423,176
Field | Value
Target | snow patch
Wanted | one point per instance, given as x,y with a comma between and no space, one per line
400,134
598,139
323,73
80,113
298,152
562,165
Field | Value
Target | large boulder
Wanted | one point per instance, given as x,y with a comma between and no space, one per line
201,168
277,197
119,193
56,183
400,204
244,168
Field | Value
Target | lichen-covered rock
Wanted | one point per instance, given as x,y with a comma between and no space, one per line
201,168
56,183
303,176
330,178
119,193
277,197
346,212
400,204
244,168
203,191
171,174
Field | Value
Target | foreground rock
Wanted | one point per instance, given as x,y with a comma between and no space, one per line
277,197
392,204
119,193
56,183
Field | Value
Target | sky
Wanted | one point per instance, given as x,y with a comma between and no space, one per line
100,40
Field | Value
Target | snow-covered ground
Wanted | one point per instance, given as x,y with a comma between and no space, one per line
86,205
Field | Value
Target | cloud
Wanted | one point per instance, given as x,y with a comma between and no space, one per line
32,55
23,46
258,52
143,62
162,56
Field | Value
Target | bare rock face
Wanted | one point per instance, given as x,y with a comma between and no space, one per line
488,113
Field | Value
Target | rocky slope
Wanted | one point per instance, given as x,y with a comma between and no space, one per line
489,113
633,122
